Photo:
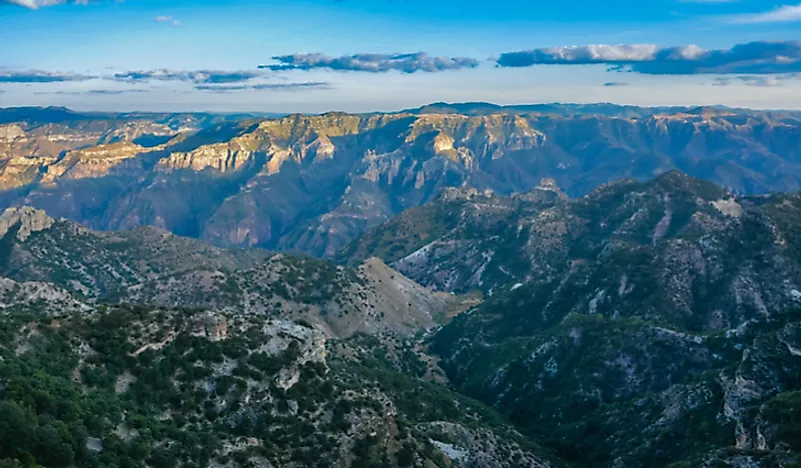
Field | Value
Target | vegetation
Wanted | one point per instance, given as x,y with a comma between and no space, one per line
136,386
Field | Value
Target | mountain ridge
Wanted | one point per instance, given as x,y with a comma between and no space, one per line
314,183
643,324
151,266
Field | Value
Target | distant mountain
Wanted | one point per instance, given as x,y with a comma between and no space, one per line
314,183
643,324
66,116
597,109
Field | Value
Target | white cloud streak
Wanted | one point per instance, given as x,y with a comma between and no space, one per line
783,14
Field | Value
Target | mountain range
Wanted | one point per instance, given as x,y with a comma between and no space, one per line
506,287
312,184
643,324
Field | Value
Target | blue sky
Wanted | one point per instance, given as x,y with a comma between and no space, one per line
320,55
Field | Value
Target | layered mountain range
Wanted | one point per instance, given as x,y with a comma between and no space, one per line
525,286
642,324
314,183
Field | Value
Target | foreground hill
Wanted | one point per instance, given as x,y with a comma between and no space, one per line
167,388
229,358
644,324
314,183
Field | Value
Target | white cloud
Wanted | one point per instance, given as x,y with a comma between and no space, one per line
196,76
34,4
39,76
783,14
168,19
371,62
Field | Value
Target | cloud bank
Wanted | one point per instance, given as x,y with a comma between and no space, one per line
761,57
372,63
95,92
263,87
39,76
196,76
759,81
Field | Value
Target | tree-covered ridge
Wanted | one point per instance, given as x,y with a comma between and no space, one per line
599,389
645,324
155,387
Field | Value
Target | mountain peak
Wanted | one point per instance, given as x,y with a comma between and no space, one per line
675,180
29,219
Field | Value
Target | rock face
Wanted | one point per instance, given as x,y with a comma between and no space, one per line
314,183
11,132
27,220
94,162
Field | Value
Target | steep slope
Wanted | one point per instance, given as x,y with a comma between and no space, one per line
314,183
341,300
36,247
626,392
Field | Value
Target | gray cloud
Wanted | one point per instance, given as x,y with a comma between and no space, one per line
116,91
197,76
263,87
39,76
95,92
372,63
750,58
762,81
